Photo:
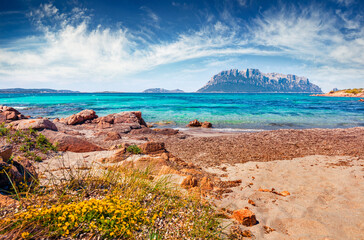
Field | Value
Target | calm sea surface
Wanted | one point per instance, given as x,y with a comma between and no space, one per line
238,111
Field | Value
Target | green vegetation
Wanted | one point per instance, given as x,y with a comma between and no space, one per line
117,204
28,141
134,149
354,91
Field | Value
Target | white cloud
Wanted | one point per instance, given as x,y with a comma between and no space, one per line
69,51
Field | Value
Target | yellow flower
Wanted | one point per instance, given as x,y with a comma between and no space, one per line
25,235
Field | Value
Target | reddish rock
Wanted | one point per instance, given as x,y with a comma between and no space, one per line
71,143
81,117
10,114
166,131
153,164
143,130
36,124
206,184
245,217
18,172
361,100
112,136
56,120
251,202
152,147
194,123
206,125
285,193
6,201
103,125
5,152
123,117
189,182
191,171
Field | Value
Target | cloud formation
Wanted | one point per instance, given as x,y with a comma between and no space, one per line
70,50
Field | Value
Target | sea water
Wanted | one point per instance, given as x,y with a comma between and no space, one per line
228,111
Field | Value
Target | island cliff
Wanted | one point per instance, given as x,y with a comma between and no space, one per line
252,80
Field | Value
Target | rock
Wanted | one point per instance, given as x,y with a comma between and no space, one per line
194,123
245,217
81,117
134,118
264,190
189,182
143,130
18,172
118,156
206,184
206,125
165,170
166,131
251,202
71,143
153,164
191,171
36,124
153,147
268,229
5,152
361,100
56,120
285,193
112,136
103,125
10,114
6,201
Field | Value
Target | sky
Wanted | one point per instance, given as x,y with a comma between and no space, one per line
132,45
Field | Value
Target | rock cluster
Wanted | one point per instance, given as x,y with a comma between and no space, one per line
9,114
196,123
80,117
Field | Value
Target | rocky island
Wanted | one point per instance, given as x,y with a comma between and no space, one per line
252,80
162,90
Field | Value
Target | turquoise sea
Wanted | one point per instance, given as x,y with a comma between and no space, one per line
238,111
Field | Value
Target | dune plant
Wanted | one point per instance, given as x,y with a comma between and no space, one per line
134,149
110,203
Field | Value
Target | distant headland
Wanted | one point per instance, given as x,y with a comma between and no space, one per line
35,90
356,92
252,80
162,90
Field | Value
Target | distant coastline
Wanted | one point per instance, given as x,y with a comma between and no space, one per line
356,92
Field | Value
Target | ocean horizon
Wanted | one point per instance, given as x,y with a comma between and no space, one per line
226,111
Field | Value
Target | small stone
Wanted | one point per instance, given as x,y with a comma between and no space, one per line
189,182
245,217
285,193
251,202
268,229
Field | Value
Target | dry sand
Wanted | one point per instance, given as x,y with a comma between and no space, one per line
326,201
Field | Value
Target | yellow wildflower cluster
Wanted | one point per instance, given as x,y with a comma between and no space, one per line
110,217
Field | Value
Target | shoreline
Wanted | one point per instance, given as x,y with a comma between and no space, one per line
292,180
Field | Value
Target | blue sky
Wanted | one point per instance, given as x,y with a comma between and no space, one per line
131,45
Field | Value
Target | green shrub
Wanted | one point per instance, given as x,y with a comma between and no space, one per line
134,149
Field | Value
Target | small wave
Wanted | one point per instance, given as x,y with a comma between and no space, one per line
22,108
222,129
